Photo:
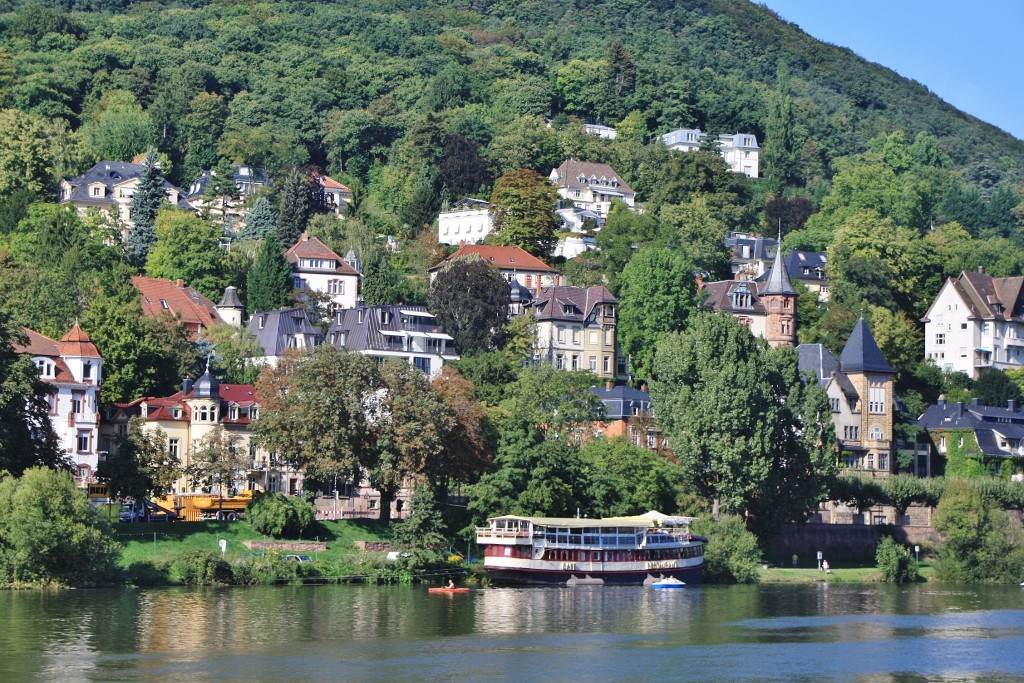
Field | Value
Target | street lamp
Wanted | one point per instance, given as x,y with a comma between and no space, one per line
917,552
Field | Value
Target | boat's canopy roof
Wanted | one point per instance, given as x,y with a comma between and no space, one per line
652,519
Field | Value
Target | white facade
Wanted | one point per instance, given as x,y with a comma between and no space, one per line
739,150
315,267
591,186
572,246
74,369
469,225
603,132
957,339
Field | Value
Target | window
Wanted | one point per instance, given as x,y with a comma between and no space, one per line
883,461
876,398
560,362
575,336
83,440
87,370
876,433
852,462
833,403
76,403
97,191
575,362
942,444
593,364
940,338
176,412
560,333
203,414
46,368
233,412
871,461
851,433
608,337
361,315
254,412
174,447
650,438
607,363
422,364
963,326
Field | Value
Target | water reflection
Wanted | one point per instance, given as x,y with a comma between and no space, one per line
327,633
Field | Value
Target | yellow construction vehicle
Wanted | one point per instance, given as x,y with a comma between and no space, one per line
200,507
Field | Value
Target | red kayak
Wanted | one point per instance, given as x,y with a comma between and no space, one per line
447,590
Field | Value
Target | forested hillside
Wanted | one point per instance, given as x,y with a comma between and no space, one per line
414,103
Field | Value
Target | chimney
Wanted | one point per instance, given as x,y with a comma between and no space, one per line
305,237
942,400
981,269
186,386
1011,405
977,402
643,387
609,385
180,282
959,408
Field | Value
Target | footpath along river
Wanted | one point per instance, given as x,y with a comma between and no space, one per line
818,632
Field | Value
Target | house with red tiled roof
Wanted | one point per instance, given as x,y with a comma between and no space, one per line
316,267
199,412
591,186
514,264
168,297
976,322
73,367
336,194
576,330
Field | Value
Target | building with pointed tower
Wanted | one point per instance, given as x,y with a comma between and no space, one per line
861,394
230,307
766,305
73,367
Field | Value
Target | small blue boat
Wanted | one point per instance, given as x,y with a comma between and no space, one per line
669,583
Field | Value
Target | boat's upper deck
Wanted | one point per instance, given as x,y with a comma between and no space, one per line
619,532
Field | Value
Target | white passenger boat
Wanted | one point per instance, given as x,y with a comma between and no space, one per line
573,551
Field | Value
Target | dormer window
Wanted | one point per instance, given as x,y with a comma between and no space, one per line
87,370
233,412
741,297
176,412
385,316
163,304
46,367
361,315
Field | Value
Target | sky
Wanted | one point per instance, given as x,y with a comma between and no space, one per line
967,53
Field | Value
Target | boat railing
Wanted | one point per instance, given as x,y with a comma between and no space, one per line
487,532
665,538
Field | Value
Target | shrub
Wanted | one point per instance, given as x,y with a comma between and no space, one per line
895,561
731,554
199,568
49,533
277,515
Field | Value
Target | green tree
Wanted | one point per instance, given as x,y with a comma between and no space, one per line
620,75
295,206
117,128
50,534
140,466
220,191
523,204
470,300
260,221
269,281
623,234
995,388
779,153
201,127
698,226
236,353
628,480
26,157
27,438
900,490
188,248
659,292
219,459
280,516
147,201
895,561
732,554
749,434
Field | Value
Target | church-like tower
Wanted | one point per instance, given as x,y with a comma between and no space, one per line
779,299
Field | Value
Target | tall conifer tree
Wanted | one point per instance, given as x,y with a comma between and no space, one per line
146,202
270,280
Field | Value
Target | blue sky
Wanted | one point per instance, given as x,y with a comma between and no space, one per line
967,53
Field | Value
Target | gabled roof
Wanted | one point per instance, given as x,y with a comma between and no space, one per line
550,303
161,297
111,174
37,345
77,343
987,423
816,359
503,258
162,408
720,296
568,174
991,298
312,248
329,183
273,329
813,261
861,353
619,401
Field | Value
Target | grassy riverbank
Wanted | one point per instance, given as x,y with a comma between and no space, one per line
840,574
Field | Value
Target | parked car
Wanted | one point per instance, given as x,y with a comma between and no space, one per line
297,558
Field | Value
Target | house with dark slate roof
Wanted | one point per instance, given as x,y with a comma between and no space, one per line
576,330
108,187
279,331
860,388
591,186
409,333
976,322
752,254
808,268
973,439
766,305
627,413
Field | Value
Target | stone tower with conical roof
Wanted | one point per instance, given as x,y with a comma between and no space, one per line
779,299
873,379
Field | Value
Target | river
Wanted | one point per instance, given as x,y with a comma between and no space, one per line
819,632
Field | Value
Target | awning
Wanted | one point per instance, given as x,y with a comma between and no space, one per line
422,314
392,333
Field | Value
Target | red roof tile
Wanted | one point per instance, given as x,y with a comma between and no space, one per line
504,258
312,248
77,343
160,297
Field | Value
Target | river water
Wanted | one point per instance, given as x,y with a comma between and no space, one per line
820,632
